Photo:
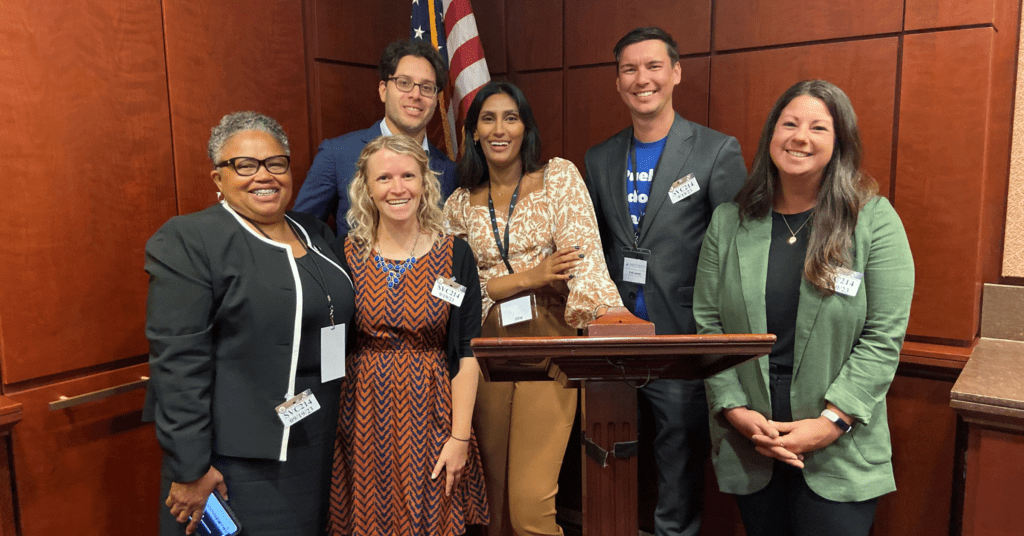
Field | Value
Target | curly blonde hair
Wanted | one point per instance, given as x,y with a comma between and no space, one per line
364,218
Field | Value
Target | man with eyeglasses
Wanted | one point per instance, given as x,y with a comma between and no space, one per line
412,74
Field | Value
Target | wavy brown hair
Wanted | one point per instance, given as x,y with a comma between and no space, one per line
364,218
843,191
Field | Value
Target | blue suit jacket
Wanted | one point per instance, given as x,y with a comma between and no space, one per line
326,186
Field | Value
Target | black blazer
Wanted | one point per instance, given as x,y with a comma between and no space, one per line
223,321
464,321
673,232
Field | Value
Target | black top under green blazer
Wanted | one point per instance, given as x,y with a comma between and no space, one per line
846,350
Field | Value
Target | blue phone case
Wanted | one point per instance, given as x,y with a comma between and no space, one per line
218,519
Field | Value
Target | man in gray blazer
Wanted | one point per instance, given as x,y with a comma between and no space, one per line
654,187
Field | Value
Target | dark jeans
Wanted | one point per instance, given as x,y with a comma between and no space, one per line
787,506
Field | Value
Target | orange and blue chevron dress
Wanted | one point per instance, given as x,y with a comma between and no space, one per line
396,410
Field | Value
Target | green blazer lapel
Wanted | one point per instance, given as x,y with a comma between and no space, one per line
807,313
753,237
677,151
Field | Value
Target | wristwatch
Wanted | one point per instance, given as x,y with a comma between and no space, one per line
832,416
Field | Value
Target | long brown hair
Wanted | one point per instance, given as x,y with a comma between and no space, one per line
844,187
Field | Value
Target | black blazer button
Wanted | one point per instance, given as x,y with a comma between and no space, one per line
632,295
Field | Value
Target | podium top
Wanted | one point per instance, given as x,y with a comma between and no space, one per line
637,358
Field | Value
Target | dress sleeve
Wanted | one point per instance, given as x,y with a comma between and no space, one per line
888,284
179,326
575,225
723,390
457,224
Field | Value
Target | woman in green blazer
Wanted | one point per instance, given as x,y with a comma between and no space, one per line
808,252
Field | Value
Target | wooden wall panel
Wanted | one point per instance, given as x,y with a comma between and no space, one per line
941,170
354,32
87,137
536,30
921,14
349,99
91,469
544,91
922,458
745,85
995,482
215,69
491,24
1000,130
596,111
757,23
592,29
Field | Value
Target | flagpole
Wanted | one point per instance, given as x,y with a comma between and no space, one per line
452,151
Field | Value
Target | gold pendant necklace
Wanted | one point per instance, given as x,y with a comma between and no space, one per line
792,238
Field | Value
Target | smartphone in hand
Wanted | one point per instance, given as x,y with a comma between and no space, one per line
218,519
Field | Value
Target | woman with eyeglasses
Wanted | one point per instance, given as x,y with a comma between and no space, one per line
247,312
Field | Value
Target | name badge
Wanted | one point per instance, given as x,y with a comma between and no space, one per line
449,291
516,311
847,282
297,408
634,265
683,188
332,353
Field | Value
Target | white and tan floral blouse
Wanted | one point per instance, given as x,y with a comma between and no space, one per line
559,214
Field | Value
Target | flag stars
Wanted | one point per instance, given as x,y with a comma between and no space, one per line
419,31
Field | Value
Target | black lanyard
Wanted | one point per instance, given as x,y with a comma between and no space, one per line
321,281
636,193
503,250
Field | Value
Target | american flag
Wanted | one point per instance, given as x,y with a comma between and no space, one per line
450,26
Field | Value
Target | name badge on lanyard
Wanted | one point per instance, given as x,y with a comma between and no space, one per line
518,310
634,264
332,352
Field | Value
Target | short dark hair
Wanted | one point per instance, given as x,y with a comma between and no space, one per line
472,166
648,33
394,53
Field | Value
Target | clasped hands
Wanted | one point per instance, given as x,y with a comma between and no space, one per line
783,441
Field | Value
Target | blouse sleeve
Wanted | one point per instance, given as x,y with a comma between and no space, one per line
576,225
179,326
456,223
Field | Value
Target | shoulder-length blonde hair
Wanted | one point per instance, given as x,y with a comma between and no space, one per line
364,218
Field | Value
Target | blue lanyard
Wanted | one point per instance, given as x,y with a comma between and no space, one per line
503,250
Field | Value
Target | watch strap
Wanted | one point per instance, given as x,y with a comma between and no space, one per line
834,417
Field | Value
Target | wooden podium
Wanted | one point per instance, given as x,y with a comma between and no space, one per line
619,354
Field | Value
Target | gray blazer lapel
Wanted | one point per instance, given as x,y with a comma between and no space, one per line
677,151
615,165
753,237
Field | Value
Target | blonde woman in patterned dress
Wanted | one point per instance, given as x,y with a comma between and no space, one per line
534,234
406,461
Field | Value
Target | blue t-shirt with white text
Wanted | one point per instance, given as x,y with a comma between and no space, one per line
639,176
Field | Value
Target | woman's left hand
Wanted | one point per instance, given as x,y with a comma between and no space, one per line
806,435
453,459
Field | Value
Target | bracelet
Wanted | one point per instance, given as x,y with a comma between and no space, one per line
463,440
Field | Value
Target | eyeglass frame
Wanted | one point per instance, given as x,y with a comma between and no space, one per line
395,79
231,162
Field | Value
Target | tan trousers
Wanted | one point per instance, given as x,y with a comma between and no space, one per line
522,429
